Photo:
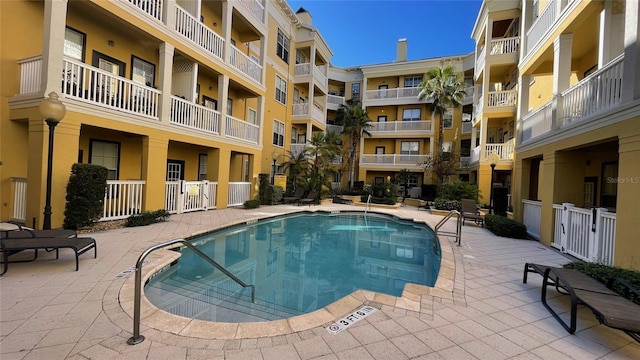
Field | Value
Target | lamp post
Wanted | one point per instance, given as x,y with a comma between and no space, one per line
274,156
53,111
493,160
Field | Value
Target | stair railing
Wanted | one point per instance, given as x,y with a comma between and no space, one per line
458,232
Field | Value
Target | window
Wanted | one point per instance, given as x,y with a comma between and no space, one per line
230,107
143,72
107,154
245,170
355,91
252,116
74,42
209,102
411,115
278,133
300,57
282,50
281,90
202,167
412,80
412,180
447,120
409,148
609,191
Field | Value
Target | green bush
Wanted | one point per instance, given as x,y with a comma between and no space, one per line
447,204
379,200
252,204
504,227
276,194
264,190
85,195
458,190
147,218
604,274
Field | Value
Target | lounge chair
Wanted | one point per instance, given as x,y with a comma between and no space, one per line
17,231
609,307
470,212
310,198
297,195
79,245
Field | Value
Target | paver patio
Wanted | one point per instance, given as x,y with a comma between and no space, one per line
49,311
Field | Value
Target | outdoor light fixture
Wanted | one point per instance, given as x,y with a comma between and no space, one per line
53,111
275,156
493,160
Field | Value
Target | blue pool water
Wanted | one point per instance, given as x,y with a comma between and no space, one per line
298,263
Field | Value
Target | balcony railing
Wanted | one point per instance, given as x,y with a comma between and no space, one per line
538,122
464,162
151,7
30,74
480,60
241,130
502,98
335,100
244,63
400,126
542,24
194,30
504,46
122,199
89,84
314,112
503,150
531,217
187,114
468,94
185,196
467,126
301,109
256,8
595,93
239,192
394,160
302,69
396,93
335,128
297,149
19,199
319,75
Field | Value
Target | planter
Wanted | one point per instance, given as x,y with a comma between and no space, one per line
381,206
509,215
415,202
326,201
354,198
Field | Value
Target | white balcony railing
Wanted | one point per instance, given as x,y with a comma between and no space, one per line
242,130
244,63
468,94
400,126
151,7
318,114
394,160
185,196
90,84
396,93
505,151
593,94
122,199
196,31
319,74
301,109
239,192
256,8
335,100
465,161
30,74
187,114
480,60
297,149
532,216
504,46
502,98
303,69
542,24
335,128
467,126
537,123
19,199
475,154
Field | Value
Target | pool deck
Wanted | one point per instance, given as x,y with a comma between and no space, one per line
482,310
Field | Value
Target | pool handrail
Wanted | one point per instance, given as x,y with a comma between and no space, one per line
137,338
458,233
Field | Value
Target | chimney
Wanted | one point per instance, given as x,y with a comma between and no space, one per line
402,50
304,16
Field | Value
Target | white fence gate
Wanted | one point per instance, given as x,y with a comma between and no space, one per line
122,199
184,196
239,192
588,234
531,216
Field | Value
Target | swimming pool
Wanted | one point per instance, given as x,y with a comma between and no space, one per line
298,263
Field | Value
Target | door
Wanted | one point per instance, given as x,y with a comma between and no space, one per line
175,170
589,192
382,91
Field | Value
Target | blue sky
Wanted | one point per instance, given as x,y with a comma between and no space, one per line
362,32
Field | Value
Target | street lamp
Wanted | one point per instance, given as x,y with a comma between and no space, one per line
493,160
53,111
275,156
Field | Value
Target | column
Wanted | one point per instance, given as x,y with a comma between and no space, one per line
223,94
53,31
164,78
263,55
525,23
523,104
260,118
521,184
37,171
169,13
561,74
227,10
627,251
220,170
604,41
631,76
484,123
154,170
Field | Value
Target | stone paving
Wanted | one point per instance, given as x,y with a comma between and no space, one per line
48,311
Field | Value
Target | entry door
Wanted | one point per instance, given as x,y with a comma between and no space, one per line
382,91
175,170
589,193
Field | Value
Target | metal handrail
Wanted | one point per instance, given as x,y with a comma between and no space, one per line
458,233
368,204
137,338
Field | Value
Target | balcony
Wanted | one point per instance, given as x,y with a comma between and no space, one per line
303,72
150,7
467,127
241,130
255,7
393,128
305,112
394,160
244,63
335,128
480,60
297,149
198,33
334,102
468,95
593,95
186,114
504,150
396,96
502,100
546,22
502,46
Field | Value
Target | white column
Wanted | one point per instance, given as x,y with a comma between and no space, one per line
263,56
53,31
223,94
631,82
526,20
164,77
474,136
484,122
604,43
487,40
260,119
169,13
194,82
561,73
523,104
227,11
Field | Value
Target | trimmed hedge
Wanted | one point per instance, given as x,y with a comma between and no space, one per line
147,218
85,195
604,274
504,227
252,204
445,204
379,200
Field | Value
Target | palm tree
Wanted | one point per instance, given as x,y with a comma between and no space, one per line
355,124
441,86
296,167
323,148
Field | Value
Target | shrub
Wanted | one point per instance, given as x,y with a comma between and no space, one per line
147,218
276,194
446,204
379,200
252,204
604,274
502,226
85,195
457,190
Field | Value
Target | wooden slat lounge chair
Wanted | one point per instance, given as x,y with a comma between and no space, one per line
310,198
79,245
297,195
609,307
470,212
